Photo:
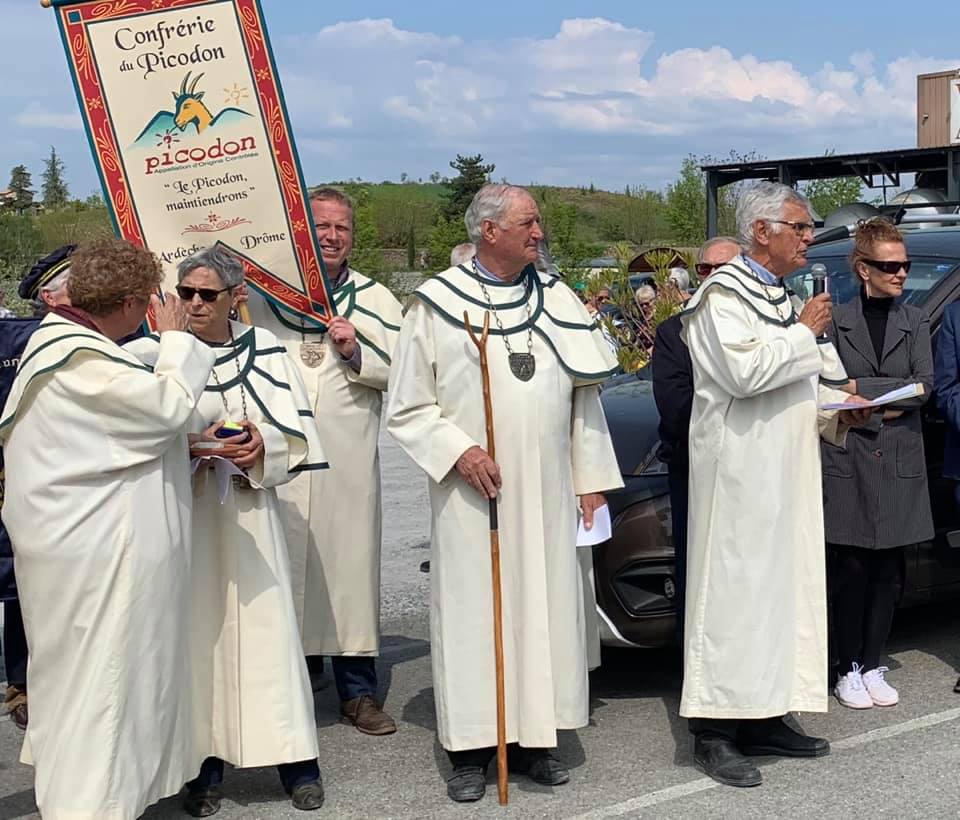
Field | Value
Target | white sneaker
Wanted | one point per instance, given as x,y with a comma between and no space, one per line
850,690
881,692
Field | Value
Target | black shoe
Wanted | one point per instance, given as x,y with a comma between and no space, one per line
202,803
538,764
307,796
956,686
720,759
777,738
467,783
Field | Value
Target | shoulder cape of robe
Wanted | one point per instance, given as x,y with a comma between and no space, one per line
556,317
371,308
333,519
552,445
98,509
772,303
253,704
756,625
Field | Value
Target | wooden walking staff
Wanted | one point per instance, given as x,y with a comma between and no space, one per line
481,344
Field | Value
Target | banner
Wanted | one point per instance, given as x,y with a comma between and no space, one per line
186,120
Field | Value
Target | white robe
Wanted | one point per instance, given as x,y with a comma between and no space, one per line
756,614
98,509
332,518
253,704
552,445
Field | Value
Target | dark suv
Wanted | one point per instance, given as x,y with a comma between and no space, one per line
635,569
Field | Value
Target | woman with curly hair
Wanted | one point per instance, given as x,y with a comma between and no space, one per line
97,506
875,489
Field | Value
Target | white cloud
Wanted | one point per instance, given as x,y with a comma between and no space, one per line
596,81
369,98
36,116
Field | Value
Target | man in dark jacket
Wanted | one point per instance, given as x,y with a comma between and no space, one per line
46,286
673,392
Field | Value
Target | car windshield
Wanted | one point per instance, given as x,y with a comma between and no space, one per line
925,274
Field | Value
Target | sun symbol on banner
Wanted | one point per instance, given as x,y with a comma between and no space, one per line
167,138
235,94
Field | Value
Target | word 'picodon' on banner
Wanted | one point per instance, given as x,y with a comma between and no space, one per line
185,116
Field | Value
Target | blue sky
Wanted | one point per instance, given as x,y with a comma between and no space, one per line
565,92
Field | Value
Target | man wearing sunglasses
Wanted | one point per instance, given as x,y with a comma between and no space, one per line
755,634
333,531
673,392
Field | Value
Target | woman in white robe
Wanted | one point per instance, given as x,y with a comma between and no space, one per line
253,705
98,508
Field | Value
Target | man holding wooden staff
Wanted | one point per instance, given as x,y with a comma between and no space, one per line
545,358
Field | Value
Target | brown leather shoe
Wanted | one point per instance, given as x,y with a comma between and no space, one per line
15,705
367,715
19,717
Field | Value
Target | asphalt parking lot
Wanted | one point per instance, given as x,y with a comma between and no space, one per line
633,760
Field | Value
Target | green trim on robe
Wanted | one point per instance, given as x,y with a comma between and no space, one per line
536,289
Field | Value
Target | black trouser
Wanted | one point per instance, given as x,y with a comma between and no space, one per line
291,774
727,729
14,645
482,757
677,479
866,586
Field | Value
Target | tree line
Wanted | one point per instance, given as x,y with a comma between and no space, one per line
413,225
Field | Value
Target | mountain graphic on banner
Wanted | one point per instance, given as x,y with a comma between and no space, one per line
190,112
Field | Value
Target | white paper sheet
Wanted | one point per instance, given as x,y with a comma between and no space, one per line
601,530
223,469
910,391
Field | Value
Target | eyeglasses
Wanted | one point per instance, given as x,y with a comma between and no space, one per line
705,268
799,228
889,267
187,293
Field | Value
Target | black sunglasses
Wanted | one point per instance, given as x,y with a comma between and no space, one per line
888,267
705,268
187,293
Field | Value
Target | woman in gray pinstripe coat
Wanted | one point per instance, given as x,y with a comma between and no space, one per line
875,489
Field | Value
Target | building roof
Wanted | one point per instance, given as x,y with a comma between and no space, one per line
868,165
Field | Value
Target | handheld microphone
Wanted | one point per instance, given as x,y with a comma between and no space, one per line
818,273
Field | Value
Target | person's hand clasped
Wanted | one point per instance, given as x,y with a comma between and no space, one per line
244,452
343,336
856,418
250,452
816,314
171,314
480,471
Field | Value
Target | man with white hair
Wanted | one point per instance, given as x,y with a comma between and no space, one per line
756,612
546,358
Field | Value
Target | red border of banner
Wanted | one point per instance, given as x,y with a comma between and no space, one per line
316,301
